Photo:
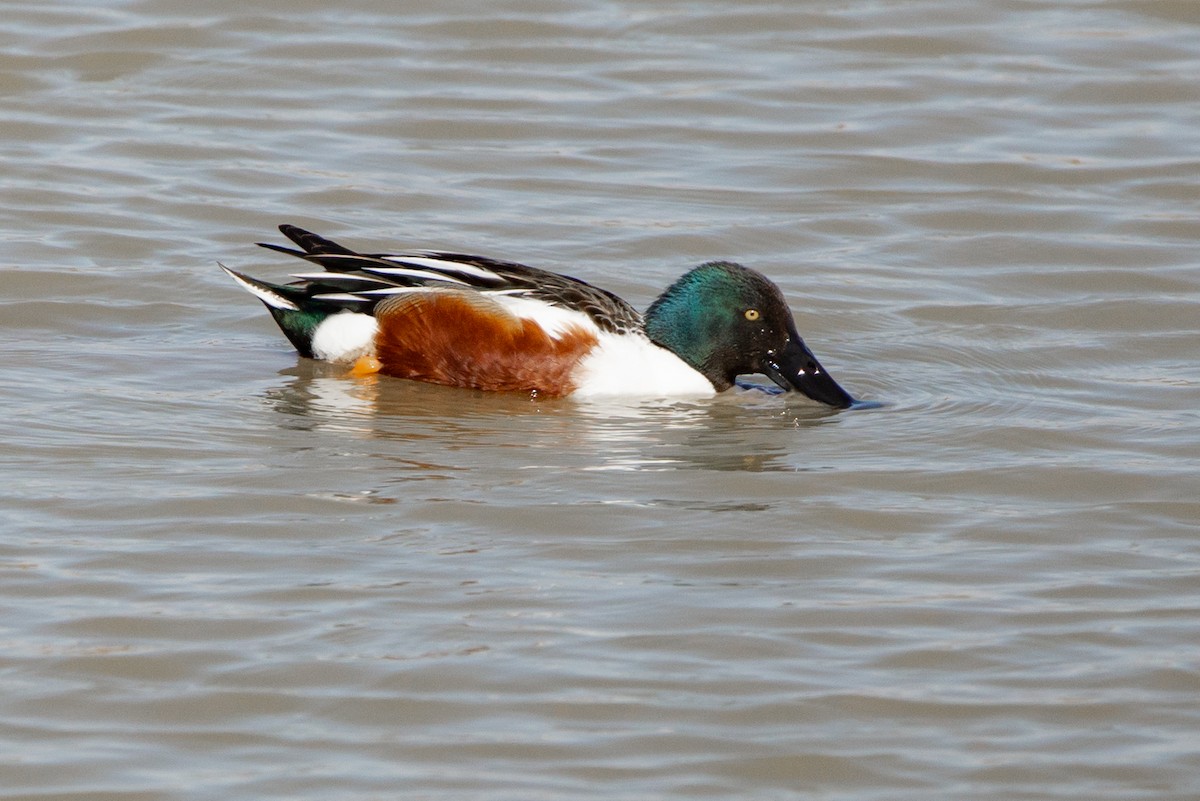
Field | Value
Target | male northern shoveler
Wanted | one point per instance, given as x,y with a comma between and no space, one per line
470,321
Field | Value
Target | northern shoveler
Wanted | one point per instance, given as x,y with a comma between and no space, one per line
469,321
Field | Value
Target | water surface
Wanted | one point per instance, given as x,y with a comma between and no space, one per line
227,572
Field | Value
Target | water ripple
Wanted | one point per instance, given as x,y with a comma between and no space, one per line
231,572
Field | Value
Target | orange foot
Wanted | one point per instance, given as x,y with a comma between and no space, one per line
365,366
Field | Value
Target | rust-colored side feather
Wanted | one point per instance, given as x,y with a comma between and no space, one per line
465,339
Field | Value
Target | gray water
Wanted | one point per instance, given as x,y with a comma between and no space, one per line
230,573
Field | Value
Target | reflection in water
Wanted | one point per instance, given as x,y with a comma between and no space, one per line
746,429
326,403
257,586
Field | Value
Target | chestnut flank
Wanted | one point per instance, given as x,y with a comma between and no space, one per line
465,339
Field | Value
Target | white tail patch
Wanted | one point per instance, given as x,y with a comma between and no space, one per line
273,299
344,336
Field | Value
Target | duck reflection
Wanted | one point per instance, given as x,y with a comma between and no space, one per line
750,429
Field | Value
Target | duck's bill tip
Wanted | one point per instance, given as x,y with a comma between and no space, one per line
796,368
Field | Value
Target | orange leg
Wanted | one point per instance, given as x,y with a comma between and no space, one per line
365,366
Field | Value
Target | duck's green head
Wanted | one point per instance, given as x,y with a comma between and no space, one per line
727,320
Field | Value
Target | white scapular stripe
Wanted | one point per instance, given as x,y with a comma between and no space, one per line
318,277
343,296
425,275
554,320
446,264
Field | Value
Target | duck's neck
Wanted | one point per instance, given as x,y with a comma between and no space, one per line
686,321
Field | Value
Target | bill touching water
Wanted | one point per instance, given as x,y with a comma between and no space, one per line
480,323
231,572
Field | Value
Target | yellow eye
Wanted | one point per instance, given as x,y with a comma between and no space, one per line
752,314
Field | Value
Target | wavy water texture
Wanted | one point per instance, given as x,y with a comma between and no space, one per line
228,572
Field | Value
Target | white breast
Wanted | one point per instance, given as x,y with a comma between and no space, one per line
632,365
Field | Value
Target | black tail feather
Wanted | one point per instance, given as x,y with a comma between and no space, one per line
319,250
271,246
314,244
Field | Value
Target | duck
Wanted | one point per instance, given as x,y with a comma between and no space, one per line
488,324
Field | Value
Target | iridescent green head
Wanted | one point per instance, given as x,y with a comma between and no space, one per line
727,320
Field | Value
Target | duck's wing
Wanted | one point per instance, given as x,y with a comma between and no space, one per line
358,279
